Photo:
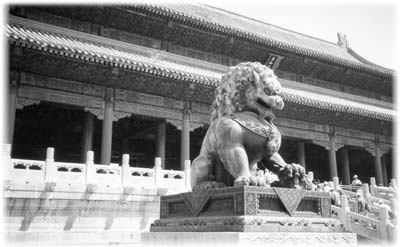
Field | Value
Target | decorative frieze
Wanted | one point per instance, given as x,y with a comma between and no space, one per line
148,99
200,118
201,108
361,92
60,97
321,83
148,110
285,122
355,133
304,134
385,139
60,84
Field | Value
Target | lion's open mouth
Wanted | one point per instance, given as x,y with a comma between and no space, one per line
262,103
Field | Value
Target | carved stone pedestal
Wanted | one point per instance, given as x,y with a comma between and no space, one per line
253,239
243,216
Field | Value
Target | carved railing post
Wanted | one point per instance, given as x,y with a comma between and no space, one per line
365,192
373,186
383,220
157,172
331,184
310,176
50,169
344,209
393,183
126,175
393,205
187,175
90,169
336,185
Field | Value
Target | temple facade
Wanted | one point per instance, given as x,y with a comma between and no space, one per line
140,80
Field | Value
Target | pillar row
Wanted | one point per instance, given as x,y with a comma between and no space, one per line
344,156
378,165
87,135
332,157
185,137
301,157
160,143
384,170
106,138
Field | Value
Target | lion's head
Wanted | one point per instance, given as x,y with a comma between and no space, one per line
248,86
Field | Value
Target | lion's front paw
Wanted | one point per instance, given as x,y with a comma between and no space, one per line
291,176
241,181
250,181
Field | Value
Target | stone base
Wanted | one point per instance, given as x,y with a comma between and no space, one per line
253,239
247,224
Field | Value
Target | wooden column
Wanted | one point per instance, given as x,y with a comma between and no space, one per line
185,136
160,143
106,138
87,135
301,158
384,170
12,106
14,80
332,157
344,155
378,165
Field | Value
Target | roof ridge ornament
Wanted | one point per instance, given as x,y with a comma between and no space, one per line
342,41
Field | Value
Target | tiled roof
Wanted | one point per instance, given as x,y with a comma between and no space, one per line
239,26
99,53
76,47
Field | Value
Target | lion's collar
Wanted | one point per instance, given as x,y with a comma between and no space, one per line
250,121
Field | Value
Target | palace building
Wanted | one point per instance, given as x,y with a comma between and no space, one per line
139,79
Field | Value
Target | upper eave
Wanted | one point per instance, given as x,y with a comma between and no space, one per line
91,48
218,21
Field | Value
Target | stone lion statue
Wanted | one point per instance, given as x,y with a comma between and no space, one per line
242,136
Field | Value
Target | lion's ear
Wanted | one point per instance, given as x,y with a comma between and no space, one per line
256,78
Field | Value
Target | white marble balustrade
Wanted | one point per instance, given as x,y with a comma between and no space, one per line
375,225
383,192
63,173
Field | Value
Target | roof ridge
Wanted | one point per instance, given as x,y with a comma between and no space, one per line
364,60
266,23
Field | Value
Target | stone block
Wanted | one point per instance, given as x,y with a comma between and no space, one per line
246,200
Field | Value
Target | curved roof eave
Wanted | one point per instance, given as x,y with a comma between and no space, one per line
74,47
186,16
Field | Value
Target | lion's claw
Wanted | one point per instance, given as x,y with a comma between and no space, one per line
241,181
250,181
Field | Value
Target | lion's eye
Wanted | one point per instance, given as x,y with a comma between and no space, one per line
267,91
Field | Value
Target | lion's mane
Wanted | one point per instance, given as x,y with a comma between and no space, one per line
230,95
